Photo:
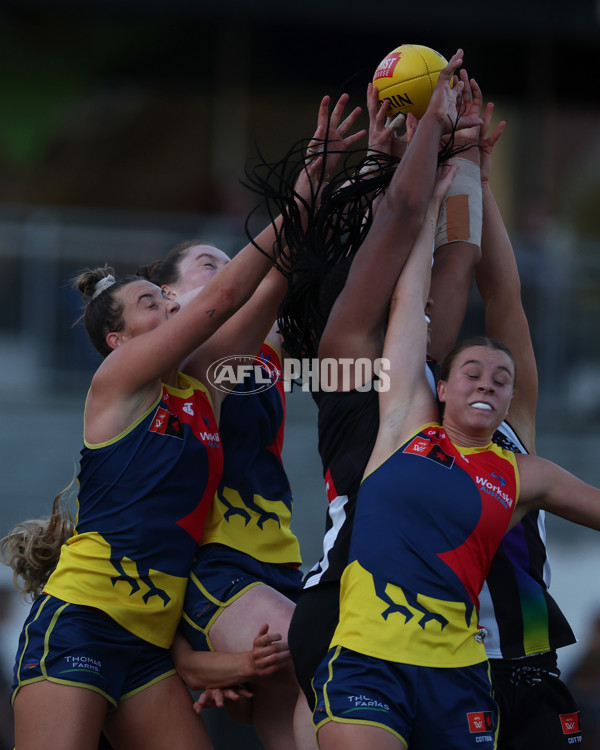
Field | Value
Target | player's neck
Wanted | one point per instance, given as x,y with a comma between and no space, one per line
464,439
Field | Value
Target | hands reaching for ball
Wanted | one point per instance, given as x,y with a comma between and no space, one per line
450,95
386,135
330,140
487,141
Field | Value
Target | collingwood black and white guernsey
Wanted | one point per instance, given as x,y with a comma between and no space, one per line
520,616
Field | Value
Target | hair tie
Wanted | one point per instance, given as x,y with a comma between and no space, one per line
103,284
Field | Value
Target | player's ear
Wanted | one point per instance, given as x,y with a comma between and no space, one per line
113,339
441,390
167,292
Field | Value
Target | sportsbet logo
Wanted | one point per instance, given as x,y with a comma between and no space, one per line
257,374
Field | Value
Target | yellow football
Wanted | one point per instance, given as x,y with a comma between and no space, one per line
406,76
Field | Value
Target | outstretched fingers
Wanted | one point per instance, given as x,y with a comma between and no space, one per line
216,697
454,63
469,108
333,128
487,141
486,137
331,138
336,123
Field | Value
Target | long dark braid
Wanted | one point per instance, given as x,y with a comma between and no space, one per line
315,246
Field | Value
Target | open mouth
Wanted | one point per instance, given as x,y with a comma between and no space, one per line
481,405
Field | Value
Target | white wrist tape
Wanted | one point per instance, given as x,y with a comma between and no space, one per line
369,166
461,213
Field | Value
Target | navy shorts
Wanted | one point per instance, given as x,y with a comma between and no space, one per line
424,707
220,575
83,647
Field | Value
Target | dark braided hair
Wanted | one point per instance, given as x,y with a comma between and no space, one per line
316,245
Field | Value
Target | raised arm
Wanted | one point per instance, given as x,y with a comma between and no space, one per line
458,235
248,328
154,339
139,361
499,284
408,402
355,325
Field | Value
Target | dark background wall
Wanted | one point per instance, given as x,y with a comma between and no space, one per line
156,105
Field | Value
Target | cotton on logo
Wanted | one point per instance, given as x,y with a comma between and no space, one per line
480,721
570,723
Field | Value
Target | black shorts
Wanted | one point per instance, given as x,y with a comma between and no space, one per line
312,627
536,707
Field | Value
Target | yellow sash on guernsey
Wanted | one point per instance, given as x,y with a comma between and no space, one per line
148,605
260,527
262,533
398,635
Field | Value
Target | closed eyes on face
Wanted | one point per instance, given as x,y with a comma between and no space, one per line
211,259
499,373
151,299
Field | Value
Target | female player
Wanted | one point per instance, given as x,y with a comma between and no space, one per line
437,497
524,625
248,563
348,419
102,629
248,549
32,549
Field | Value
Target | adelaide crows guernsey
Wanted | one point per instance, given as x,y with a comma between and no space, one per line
142,502
348,422
520,616
427,523
253,507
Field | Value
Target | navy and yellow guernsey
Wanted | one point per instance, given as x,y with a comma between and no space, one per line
253,507
142,503
428,522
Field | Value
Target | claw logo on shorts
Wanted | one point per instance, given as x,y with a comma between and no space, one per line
570,723
480,721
